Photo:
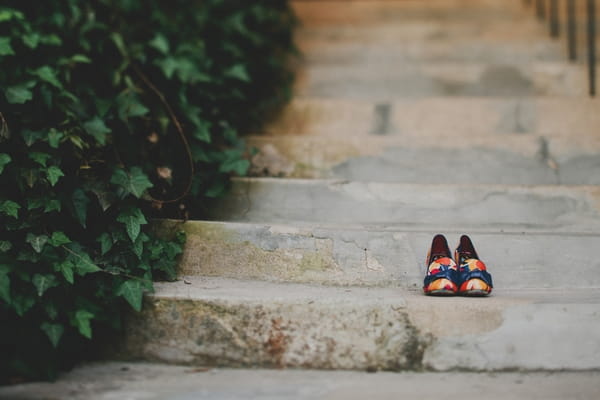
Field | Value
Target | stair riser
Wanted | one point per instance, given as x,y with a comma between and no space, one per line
328,54
239,325
427,206
275,334
491,159
360,256
361,12
465,117
363,80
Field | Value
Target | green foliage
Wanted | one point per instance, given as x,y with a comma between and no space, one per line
113,113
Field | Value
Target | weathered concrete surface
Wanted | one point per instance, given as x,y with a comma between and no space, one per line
464,158
323,51
376,82
242,323
334,12
286,253
220,322
427,206
142,381
441,116
384,256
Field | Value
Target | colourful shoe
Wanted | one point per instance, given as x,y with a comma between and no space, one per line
442,274
474,280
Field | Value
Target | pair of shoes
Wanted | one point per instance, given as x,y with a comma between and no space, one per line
445,278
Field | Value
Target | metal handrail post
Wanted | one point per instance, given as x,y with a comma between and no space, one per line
571,30
591,41
540,8
554,22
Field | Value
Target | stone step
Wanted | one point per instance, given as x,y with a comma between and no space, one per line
146,381
512,208
334,53
460,158
465,116
362,79
357,12
388,31
518,256
234,323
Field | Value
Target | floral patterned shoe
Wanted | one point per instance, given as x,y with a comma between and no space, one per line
474,280
442,274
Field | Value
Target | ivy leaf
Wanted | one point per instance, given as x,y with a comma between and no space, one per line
40,158
239,166
44,282
37,242
5,246
5,47
202,132
22,304
66,269
10,208
86,266
132,218
138,245
52,205
58,238
80,203
54,174
54,138
31,40
81,321
160,43
51,310
106,243
216,190
51,40
75,59
129,106
9,14
53,331
4,160
18,94
4,286
168,66
81,260
134,181
238,71
133,292
98,129
48,74
30,137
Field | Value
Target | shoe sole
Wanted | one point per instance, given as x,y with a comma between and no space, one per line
475,293
441,292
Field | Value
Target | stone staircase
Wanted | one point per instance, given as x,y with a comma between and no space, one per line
411,118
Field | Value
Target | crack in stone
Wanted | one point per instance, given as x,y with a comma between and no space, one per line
382,119
546,157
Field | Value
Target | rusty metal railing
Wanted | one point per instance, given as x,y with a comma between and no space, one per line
550,10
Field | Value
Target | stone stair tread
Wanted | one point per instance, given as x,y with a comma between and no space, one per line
465,52
206,288
365,12
248,323
555,208
490,158
364,79
136,381
571,117
359,255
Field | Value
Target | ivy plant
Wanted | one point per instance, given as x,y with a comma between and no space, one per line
113,113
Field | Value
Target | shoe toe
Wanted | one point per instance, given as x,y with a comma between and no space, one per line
475,287
441,287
